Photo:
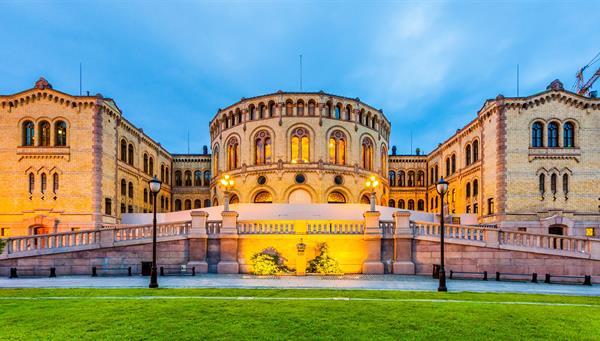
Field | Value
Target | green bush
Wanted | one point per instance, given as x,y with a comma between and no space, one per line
323,263
268,262
2,244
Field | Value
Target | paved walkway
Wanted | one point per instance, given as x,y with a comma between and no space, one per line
366,282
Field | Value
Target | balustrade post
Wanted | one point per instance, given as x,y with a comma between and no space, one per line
107,237
372,237
491,238
198,242
403,237
594,248
228,263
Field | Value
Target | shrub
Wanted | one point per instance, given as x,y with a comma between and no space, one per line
323,263
2,244
268,262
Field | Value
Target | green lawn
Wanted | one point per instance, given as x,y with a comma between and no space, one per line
111,315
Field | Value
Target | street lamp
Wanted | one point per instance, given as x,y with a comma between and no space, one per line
227,182
372,184
154,189
442,188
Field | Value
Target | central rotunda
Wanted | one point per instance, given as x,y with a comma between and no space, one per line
299,147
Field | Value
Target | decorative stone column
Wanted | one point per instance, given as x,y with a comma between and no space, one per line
372,236
229,244
403,259
197,240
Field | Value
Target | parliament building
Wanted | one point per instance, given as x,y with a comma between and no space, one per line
75,162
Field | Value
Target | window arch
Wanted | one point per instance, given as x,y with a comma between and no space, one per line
263,148
263,197
178,181
206,202
468,155
162,173
468,190
453,163
28,133
31,183
216,161
553,134
420,178
130,154
447,167
411,179
233,154
60,133
475,150
337,148
553,179
311,108
411,204
367,153
151,166
401,179
348,112
300,108
401,204
44,132
475,188
206,178
130,187
537,134
197,178
123,187
364,199
177,205
289,108
271,109
568,135
261,111
123,150
421,205
392,178
145,163
234,199
391,203
55,183
542,183
565,183
336,197
197,203
188,204
300,146
187,178
338,112
252,110
383,160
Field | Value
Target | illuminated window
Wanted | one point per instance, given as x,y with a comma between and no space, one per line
233,154
216,160
590,232
365,199
44,133
262,148
336,198
383,160
300,146
263,197
367,154
60,130
28,133
234,199
337,148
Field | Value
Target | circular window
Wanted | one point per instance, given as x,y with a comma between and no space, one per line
338,180
261,180
300,179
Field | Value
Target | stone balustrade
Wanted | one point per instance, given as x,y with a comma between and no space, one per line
64,240
387,228
213,227
259,227
325,227
138,232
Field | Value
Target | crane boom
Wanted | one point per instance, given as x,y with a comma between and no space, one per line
584,88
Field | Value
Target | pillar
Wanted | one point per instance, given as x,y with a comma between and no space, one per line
229,244
197,240
403,240
372,237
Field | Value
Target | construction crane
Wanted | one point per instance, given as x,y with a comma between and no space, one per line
582,87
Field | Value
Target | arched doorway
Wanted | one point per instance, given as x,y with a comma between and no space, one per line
365,199
234,199
299,196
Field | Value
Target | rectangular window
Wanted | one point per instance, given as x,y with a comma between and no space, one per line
590,232
491,206
469,209
475,208
5,232
522,229
130,209
107,206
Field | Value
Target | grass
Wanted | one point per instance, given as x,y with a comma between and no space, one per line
111,316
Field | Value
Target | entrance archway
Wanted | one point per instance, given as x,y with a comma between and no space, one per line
299,196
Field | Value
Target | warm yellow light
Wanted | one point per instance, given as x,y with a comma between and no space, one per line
372,178
231,182
375,183
368,184
226,176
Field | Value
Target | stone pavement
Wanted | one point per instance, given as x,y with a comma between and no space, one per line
358,282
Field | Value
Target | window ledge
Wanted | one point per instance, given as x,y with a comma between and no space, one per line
37,152
554,153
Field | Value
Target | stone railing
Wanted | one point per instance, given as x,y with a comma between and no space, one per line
139,232
451,231
346,227
40,243
259,227
213,227
562,244
387,228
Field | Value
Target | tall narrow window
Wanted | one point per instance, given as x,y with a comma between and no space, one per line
262,148
468,190
271,109
348,113
542,184
28,133
401,204
261,111
188,178
475,150
421,179
252,118
162,173
167,175
197,178
31,183
569,135
300,108
436,174
565,184
131,190
188,204
338,114
123,151
411,204
300,146
537,135
421,205
491,208
553,134
411,179
130,154
367,154
123,187
107,206
475,188
216,161
178,181
311,108
60,132
468,155
383,159
206,178
162,202
391,203
289,108
447,167
401,179
177,205
44,133
337,148
145,163
392,178
43,183
453,163
553,179
197,203
151,166
55,182
233,154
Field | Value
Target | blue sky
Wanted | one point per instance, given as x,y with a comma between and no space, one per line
171,65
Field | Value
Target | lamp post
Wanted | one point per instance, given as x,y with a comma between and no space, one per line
227,182
154,189
442,188
372,184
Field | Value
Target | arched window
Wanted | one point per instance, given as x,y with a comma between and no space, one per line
177,205
475,150
188,178
329,110
401,204
262,147
28,133
411,204
238,114
130,190
468,155
420,178
289,108
60,132
252,113
146,195
300,146
197,203
553,179
542,184
261,111
44,133
145,163
565,183
206,202
411,179
55,182
383,160
197,178
336,198
447,167
300,108
216,161
188,204
391,203
569,135
151,166
421,205
360,116
178,180
338,112
392,178
167,175
130,154
123,151
337,148
263,197
31,183
123,187
436,174
453,163
271,109
401,179
468,190
365,199
233,154
367,153
162,173
348,113
553,134
311,108
475,188
431,176
537,135
206,178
